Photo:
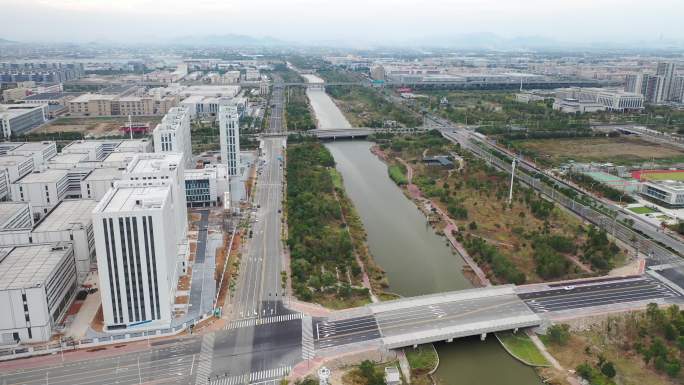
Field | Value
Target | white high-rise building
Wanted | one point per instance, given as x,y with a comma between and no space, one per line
167,168
137,247
173,134
230,138
667,71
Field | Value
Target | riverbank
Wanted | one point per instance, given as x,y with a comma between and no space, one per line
525,240
521,347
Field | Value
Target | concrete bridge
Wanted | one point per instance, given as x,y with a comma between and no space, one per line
429,318
359,132
480,311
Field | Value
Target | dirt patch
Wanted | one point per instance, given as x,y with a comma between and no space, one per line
93,126
97,323
616,150
182,300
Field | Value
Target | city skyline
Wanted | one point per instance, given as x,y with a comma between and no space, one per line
442,23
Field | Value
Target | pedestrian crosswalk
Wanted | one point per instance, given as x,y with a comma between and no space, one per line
205,358
307,338
242,323
251,378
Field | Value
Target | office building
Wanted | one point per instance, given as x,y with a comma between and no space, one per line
40,72
229,136
136,255
667,193
575,99
37,285
633,83
167,168
102,104
666,71
173,134
4,184
17,119
15,94
201,188
42,189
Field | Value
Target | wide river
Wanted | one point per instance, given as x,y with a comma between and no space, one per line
416,260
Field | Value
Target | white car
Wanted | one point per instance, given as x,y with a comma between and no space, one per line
569,287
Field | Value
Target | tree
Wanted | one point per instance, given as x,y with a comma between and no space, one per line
671,333
315,282
559,334
472,225
672,368
328,279
608,369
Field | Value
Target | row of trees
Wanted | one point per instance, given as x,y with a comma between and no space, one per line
593,185
297,113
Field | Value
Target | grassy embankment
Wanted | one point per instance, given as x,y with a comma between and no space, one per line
627,349
325,233
521,346
530,240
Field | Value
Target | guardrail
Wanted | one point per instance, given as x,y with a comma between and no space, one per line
85,343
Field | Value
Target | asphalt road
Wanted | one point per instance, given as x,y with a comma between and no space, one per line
586,296
336,333
259,292
167,363
277,103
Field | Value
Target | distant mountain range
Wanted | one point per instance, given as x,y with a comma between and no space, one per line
228,40
5,41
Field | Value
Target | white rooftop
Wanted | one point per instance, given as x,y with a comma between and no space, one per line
154,162
67,214
33,146
10,209
122,156
47,176
105,173
68,158
29,266
10,111
201,173
86,145
133,198
11,160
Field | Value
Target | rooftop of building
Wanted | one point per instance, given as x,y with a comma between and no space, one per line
46,96
200,173
11,160
85,98
131,144
68,158
105,173
29,266
672,185
120,156
35,146
133,198
66,215
153,162
85,145
10,111
10,209
46,176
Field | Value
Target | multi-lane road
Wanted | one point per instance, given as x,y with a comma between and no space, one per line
597,294
277,104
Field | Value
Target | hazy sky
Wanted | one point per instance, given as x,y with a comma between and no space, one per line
343,20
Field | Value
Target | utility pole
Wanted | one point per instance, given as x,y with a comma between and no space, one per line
510,193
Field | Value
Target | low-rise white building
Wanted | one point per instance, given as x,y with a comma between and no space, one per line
20,118
136,255
40,151
96,150
37,285
135,145
668,193
42,189
71,221
99,181
15,216
201,187
17,166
